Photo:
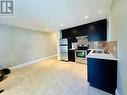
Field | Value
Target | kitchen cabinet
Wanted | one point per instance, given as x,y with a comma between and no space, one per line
96,31
69,43
65,33
74,32
102,74
73,39
71,55
83,30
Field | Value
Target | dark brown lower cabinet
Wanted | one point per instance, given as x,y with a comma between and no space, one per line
71,55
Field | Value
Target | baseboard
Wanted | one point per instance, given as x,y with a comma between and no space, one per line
117,93
31,62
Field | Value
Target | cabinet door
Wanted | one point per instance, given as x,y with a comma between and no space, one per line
73,32
65,33
73,39
83,30
92,33
97,31
71,55
102,74
79,31
102,30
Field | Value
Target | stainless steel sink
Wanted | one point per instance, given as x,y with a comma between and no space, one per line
101,51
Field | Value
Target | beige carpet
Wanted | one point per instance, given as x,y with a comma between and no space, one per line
49,77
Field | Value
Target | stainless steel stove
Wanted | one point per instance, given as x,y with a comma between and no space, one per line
80,54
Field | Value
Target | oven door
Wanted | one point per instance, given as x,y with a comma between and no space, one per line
80,54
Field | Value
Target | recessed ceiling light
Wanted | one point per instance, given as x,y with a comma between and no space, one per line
61,25
86,17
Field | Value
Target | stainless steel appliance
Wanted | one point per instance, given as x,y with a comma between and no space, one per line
64,49
80,56
81,53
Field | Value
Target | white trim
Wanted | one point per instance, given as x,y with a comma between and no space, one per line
117,93
31,62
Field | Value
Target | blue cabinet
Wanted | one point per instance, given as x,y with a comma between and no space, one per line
97,31
102,74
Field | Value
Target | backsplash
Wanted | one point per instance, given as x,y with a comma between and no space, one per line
113,48
97,44
82,40
109,45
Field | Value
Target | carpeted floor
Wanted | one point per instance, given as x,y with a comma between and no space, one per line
49,77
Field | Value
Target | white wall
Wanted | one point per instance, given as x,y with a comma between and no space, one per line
118,31
18,45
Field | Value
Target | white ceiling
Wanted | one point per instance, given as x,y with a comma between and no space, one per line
42,15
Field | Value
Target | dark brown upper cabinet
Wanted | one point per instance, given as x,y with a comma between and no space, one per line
96,31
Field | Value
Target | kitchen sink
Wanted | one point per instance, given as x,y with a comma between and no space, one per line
101,51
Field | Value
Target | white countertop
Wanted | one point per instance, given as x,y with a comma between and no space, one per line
101,55
72,49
